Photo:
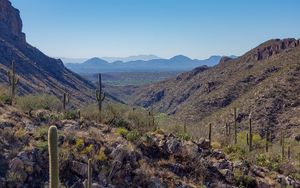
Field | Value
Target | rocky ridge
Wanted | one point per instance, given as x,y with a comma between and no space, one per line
38,73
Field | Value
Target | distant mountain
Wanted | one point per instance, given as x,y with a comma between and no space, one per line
72,60
176,63
131,58
264,81
37,72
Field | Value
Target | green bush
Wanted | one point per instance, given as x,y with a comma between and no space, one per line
133,136
122,131
36,102
71,114
244,180
90,112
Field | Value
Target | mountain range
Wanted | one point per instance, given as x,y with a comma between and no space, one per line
176,63
37,72
264,82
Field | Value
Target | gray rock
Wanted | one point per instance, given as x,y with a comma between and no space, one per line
79,168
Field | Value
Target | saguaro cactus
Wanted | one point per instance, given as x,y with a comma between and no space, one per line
53,157
289,151
227,132
235,126
66,100
209,134
250,133
247,139
282,144
89,182
267,140
13,81
100,95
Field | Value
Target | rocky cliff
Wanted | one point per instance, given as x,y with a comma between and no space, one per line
38,73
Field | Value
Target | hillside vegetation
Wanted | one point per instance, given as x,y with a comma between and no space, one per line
264,82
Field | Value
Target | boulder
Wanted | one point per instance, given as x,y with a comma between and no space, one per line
79,168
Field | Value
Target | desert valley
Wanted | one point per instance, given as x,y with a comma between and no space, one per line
222,121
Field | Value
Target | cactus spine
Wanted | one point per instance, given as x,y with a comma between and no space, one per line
100,95
13,81
250,133
209,135
89,182
235,126
53,157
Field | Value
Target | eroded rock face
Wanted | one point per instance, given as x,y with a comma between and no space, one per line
10,21
37,72
273,47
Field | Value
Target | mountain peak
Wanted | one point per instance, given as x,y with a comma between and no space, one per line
180,58
95,61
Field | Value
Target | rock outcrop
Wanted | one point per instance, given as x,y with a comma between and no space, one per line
10,22
38,73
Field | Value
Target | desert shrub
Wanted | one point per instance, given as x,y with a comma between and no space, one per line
41,145
100,155
79,143
122,131
70,114
41,132
183,136
4,96
88,149
244,180
36,102
133,136
90,112
20,133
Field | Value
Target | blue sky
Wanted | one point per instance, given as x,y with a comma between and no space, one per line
196,28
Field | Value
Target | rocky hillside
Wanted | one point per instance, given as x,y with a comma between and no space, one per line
264,81
155,160
37,72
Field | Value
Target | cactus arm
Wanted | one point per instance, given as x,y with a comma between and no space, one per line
97,95
53,157
103,97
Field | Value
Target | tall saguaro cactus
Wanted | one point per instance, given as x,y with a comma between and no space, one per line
66,100
100,95
53,157
267,140
209,134
13,81
89,182
282,144
250,133
235,126
289,151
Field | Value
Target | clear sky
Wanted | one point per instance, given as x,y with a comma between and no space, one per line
196,28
